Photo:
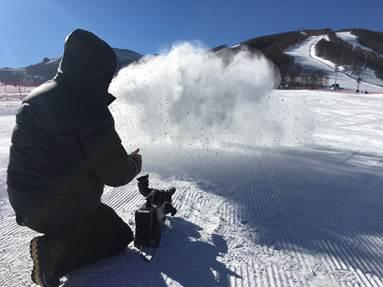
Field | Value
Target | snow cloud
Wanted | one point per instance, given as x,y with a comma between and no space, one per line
189,95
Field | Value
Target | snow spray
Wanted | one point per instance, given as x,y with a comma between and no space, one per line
190,95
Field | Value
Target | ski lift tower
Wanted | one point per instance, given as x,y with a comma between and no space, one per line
358,80
336,75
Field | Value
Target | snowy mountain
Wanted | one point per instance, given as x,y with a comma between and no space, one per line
46,69
356,53
305,55
355,57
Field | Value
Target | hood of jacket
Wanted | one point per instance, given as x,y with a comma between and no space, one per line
88,61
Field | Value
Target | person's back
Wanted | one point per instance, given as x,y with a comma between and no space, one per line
47,160
64,149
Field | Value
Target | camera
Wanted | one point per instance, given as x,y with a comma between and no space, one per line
152,214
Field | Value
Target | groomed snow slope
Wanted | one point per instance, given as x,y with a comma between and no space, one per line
249,216
305,54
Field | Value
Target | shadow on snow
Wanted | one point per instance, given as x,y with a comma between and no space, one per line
313,200
183,257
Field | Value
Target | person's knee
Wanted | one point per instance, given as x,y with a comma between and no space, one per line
121,240
121,233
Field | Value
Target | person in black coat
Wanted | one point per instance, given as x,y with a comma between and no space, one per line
64,150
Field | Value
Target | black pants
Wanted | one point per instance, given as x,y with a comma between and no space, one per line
98,235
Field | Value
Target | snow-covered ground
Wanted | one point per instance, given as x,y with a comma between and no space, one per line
303,215
305,55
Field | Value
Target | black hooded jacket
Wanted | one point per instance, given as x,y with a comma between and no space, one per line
64,145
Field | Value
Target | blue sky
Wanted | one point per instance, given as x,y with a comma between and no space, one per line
34,29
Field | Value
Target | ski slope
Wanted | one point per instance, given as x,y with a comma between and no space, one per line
348,37
303,215
368,75
305,54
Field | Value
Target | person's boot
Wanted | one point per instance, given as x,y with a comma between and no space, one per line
45,261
